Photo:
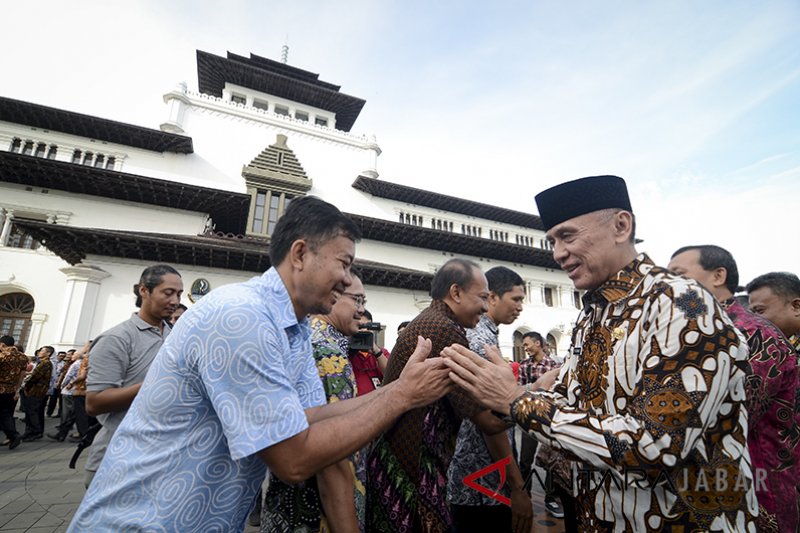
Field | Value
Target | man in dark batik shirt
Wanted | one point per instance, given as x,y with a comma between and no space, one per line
407,468
776,297
651,396
472,510
772,406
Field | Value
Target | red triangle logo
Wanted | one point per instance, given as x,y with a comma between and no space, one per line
500,465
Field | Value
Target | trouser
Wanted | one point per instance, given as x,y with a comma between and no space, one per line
526,454
7,404
67,415
34,415
569,504
82,420
52,401
481,518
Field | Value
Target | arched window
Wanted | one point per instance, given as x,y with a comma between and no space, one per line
16,309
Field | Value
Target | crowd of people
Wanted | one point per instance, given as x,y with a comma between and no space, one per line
671,384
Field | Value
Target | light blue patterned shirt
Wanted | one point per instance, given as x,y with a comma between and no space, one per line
234,377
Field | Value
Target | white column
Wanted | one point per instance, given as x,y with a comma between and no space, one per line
80,301
8,220
35,334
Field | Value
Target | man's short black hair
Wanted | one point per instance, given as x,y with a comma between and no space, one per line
403,324
314,220
367,314
456,271
8,340
502,279
181,306
535,336
50,350
783,284
151,278
713,257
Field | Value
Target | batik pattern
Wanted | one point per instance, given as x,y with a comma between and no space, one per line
471,453
651,402
774,419
298,508
12,365
407,469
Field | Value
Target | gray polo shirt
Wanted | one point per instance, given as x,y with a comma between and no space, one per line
120,357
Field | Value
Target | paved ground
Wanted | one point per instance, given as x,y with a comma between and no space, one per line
39,492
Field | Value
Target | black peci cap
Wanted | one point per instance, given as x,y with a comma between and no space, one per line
578,197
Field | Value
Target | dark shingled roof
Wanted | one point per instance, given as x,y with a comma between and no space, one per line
228,209
431,239
248,254
101,129
412,195
271,77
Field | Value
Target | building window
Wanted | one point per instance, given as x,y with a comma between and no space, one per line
260,104
17,238
548,296
576,299
301,115
51,153
41,148
88,158
282,110
76,156
28,149
320,121
110,163
268,208
99,160
238,99
15,315
16,144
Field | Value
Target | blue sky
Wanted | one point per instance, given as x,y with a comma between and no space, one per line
694,103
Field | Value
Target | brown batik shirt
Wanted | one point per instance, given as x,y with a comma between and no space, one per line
12,365
407,468
650,401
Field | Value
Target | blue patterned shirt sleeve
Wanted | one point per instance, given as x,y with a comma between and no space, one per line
233,378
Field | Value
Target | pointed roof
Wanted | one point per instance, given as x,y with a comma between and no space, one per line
277,167
271,77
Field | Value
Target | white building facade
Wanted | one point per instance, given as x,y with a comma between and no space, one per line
87,203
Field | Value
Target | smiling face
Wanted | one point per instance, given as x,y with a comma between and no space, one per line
591,248
326,274
468,303
347,312
506,309
783,312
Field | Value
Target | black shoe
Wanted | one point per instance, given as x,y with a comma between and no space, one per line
56,436
73,438
30,438
554,508
15,442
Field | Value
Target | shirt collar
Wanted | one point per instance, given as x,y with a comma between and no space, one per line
622,283
442,307
142,325
487,322
277,294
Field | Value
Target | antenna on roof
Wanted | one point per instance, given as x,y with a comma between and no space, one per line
285,51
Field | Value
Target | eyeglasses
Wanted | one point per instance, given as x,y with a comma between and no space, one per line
359,299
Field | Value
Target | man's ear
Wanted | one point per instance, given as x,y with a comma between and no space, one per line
623,226
720,276
298,253
494,299
795,305
455,293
